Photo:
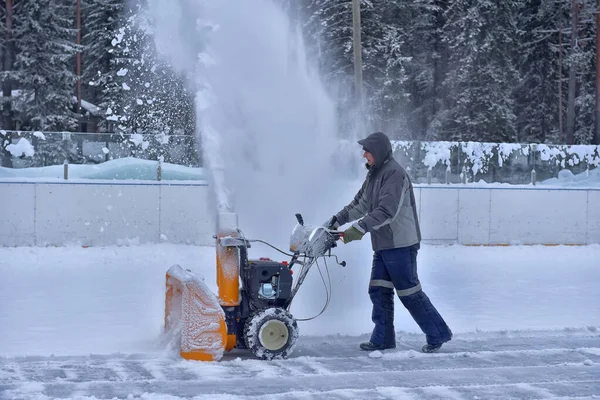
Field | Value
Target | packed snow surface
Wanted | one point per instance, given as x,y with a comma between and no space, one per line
86,323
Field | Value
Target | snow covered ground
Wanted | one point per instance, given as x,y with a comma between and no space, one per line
85,323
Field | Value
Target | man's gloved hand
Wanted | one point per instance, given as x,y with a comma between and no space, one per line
331,223
355,232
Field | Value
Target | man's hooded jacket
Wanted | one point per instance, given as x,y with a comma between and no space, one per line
385,204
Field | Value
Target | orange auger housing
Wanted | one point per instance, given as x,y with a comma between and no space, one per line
193,313
195,316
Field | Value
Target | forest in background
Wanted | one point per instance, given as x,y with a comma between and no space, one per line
461,70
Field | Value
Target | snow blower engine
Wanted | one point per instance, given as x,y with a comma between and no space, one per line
251,310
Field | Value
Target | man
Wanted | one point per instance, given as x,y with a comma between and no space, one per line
385,207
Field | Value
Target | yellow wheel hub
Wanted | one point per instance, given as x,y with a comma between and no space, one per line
274,335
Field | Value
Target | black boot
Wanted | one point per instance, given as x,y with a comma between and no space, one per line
431,348
369,346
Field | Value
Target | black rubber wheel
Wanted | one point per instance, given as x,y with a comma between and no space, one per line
271,334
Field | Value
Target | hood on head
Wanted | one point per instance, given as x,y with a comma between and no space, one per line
379,145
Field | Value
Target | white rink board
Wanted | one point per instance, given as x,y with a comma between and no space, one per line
96,214
538,216
439,215
593,217
474,216
185,215
54,214
17,215
504,216
93,214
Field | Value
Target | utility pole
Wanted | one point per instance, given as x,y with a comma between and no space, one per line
358,78
572,74
597,138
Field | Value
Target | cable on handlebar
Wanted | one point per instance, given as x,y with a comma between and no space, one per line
327,290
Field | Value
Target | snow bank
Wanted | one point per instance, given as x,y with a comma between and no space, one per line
589,178
128,168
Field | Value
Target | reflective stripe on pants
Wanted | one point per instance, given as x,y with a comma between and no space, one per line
409,291
382,283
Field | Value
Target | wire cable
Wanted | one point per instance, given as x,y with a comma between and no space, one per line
270,245
327,291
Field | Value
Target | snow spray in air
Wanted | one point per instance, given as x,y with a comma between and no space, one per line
266,124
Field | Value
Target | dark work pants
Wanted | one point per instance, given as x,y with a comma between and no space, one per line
397,269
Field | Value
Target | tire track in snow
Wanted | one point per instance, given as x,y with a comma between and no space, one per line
549,365
123,370
493,381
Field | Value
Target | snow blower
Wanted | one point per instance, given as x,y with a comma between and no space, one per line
251,310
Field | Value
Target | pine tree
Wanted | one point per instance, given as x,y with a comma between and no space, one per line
101,19
2,33
44,63
536,96
584,56
384,64
427,68
481,39
329,29
146,95
6,77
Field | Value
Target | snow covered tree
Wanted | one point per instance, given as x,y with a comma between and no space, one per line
482,75
384,64
536,96
427,67
6,78
583,58
329,30
146,95
44,63
329,26
102,18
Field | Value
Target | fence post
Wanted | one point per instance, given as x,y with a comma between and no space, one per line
448,175
66,170
533,176
159,170
463,175
429,176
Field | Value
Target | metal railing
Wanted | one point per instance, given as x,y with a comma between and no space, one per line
24,149
468,162
426,162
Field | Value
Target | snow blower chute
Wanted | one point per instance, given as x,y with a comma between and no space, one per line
251,310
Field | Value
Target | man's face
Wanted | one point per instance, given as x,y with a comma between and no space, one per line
369,158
